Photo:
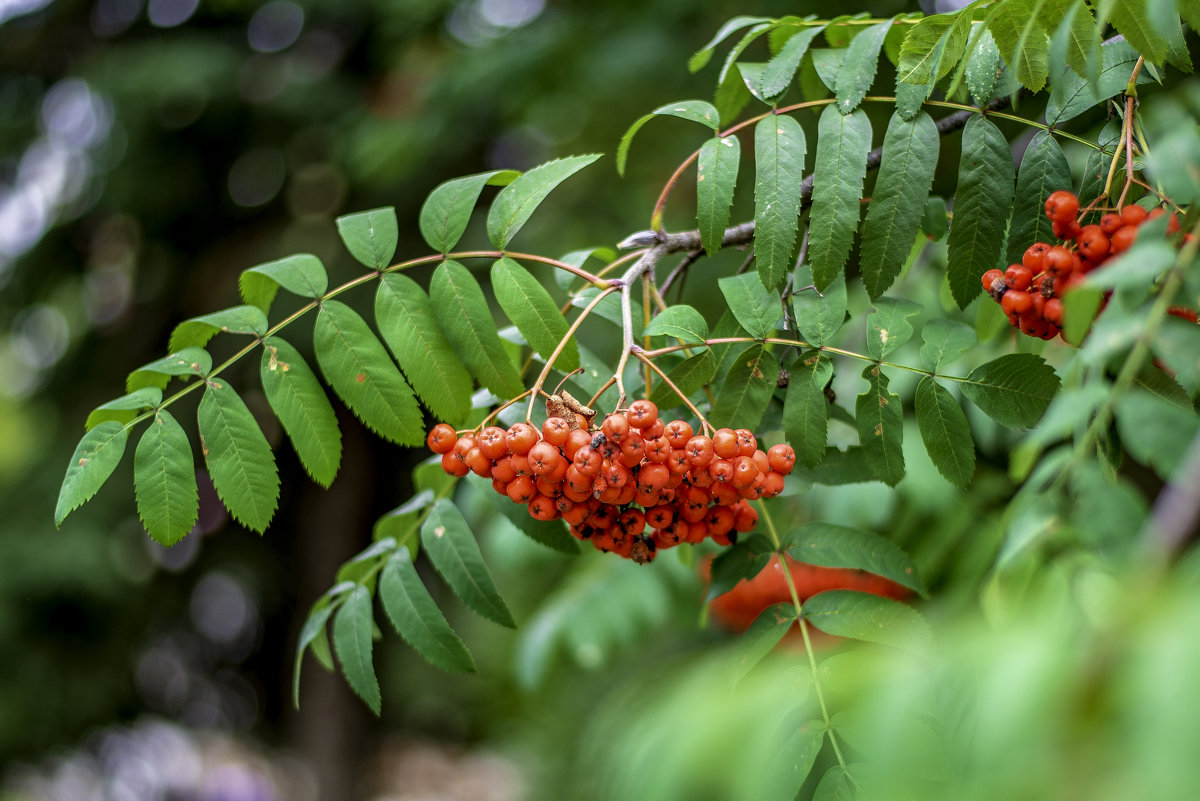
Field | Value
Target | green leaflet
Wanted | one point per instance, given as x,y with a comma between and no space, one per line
716,178
164,480
196,332
1080,307
124,408
1178,347
789,759
406,319
695,110
881,427
731,97
910,98
1014,390
757,310
156,374
841,164
416,617
364,376
981,205
352,642
1044,169
95,458
888,327
1075,40
945,432
314,628
805,409
818,317
447,210
1136,268
728,68
857,71
1022,41
1071,95
463,314
981,68
747,389
516,202
300,403
239,459
910,153
1132,21
944,341
301,274
689,375
452,549
680,321
830,545
835,785
781,69
933,47
534,312
702,56
763,635
370,236
826,63
840,467
551,534
779,150
862,616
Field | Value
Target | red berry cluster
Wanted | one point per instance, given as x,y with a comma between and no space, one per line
635,472
1030,292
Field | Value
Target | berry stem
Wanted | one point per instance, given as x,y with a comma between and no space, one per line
808,647
708,428
541,379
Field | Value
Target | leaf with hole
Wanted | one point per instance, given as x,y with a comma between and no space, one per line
164,480
881,427
981,206
303,408
452,549
888,327
465,318
945,432
364,376
95,458
534,312
779,150
1014,390
516,202
871,618
408,324
370,236
416,617
841,165
302,274
446,212
716,177
909,158
352,642
239,459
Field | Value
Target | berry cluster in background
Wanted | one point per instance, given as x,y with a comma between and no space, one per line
1030,293
636,472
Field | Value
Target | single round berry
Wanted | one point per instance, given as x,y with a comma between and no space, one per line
1058,261
520,438
615,427
782,458
642,414
441,438
492,442
521,489
1109,223
990,278
678,432
1133,215
699,450
1123,239
544,458
1016,302
725,444
453,465
1093,243
747,444
1032,258
555,430
1062,206
1018,276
